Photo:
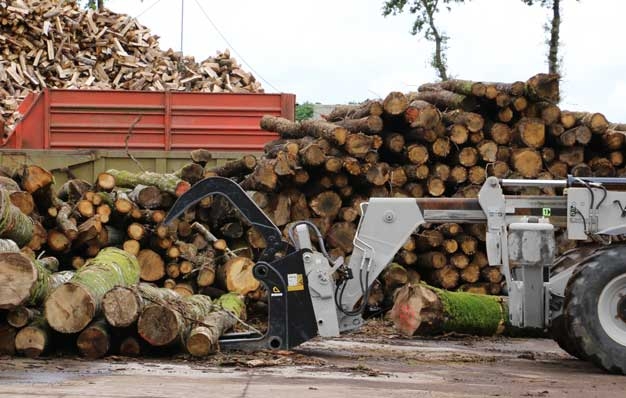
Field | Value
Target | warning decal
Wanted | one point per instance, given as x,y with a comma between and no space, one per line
295,282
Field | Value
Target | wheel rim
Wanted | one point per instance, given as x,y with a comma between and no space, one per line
612,309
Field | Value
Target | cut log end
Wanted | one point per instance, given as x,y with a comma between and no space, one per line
18,272
69,308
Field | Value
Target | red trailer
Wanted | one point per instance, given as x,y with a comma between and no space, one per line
85,131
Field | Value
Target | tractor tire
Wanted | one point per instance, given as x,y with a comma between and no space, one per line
594,312
559,331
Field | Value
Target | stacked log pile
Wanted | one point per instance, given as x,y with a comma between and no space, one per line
53,43
100,241
442,141
131,283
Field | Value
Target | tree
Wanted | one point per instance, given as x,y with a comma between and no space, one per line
304,111
95,4
554,27
425,11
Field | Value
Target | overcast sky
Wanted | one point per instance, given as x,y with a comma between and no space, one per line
336,51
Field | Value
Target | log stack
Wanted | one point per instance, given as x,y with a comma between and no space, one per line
135,284
58,44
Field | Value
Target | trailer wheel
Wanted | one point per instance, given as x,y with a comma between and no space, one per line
594,312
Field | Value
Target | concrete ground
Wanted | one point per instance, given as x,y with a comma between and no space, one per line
359,365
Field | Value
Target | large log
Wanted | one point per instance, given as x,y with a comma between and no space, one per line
34,339
95,340
165,182
74,304
28,281
236,275
367,108
14,224
203,339
424,310
446,99
166,322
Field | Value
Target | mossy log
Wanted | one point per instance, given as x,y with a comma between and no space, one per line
163,323
425,310
14,224
165,182
28,281
74,304
122,305
202,340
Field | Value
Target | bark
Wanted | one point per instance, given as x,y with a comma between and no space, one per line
74,304
203,339
286,128
322,129
165,322
165,182
444,99
241,166
29,280
95,340
14,224
424,310
200,156
473,121
367,108
366,125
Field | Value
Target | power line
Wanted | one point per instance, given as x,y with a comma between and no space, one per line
147,9
233,48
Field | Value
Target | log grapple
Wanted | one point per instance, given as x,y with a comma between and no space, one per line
584,304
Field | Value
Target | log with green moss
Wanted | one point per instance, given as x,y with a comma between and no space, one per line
165,182
203,339
424,310
165,322
14,224
122,305
75,303
27,281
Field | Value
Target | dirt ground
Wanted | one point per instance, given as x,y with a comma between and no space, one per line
374,363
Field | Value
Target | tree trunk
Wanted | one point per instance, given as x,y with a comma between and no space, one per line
422,114
366,125
424,310
367,108
74,304
236,276
95,340
202,340
164,323
241,166
165,182
34,339
14,224
446,99
29,281
543,87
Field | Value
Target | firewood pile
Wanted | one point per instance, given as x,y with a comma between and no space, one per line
92,263
52,43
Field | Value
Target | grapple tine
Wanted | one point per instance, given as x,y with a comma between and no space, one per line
238,198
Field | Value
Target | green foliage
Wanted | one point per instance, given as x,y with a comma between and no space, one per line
304,111
425,11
